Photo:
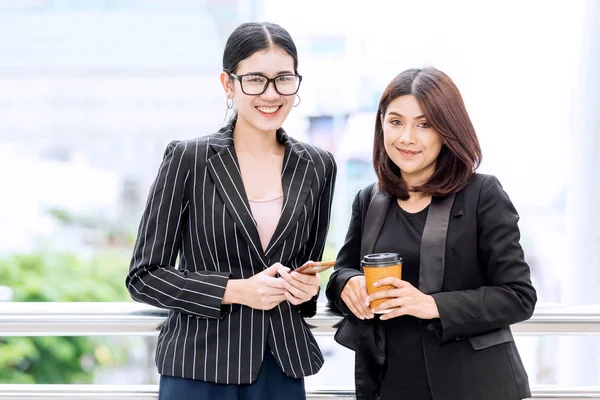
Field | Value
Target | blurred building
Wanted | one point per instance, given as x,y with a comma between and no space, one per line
105,85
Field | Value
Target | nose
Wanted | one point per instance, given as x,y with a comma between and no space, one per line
270,93
407,136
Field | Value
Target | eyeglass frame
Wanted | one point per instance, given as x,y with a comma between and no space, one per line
269,80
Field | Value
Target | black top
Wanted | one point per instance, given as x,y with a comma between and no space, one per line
481,287
406,376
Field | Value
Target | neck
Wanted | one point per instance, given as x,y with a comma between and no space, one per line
413,181
414,195
247,138
416,202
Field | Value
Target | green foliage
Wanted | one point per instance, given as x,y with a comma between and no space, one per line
45,277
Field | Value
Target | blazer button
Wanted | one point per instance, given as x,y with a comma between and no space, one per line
429,327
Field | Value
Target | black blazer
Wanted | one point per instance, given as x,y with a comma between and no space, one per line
198,210
481,285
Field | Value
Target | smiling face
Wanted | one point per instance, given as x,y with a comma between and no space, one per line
409,140
267,111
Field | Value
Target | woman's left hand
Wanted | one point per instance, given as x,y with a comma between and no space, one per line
403,299
300,287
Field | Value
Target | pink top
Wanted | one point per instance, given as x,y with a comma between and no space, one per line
266,213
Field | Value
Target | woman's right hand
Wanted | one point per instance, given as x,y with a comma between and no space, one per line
262,291
355,295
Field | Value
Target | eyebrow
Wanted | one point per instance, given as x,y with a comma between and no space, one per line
402,116
262,73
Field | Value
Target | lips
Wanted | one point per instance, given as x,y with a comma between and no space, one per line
268,110
408,153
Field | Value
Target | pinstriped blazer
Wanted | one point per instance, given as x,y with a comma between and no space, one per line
197,210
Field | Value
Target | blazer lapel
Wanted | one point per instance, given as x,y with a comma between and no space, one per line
296,179
433,245
377,210
224,170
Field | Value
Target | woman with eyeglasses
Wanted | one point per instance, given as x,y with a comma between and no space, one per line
240,209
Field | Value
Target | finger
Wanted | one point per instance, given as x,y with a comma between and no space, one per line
356,311
362,285
294,291
364,297
274,269
387,305
397,312
285,275
360,307
315,283
307,279
307,283
354,295
289,283
268,281
384,294
348,301
408,301
294,300
296,288
363,305
390,280
351,306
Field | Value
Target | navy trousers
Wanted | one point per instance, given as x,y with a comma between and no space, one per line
272,384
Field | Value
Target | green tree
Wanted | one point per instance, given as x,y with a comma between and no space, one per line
60,277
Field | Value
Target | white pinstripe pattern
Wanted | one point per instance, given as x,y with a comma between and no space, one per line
197,209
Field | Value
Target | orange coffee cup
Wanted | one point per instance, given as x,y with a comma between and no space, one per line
378,266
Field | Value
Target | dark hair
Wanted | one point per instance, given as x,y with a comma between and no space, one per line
442,105
250,37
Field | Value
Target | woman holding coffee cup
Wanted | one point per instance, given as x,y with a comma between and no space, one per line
439,329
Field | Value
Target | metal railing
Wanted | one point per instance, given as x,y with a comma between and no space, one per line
111,319
102,319
150,392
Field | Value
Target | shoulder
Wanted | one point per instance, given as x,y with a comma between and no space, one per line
321,158
486,193
313,153
367,191
192,147
184,150
481,183
363,196
175,148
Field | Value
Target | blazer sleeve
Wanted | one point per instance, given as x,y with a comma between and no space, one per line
348,260
509,296
315,244
153,277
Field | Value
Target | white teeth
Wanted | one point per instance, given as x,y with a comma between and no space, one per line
267,110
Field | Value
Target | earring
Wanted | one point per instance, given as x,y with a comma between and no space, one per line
299,101
229,103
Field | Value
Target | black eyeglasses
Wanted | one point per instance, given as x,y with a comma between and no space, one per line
256,84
